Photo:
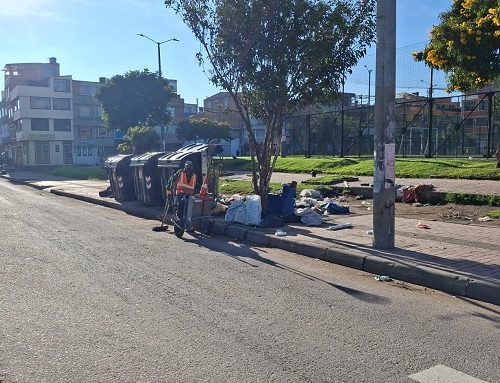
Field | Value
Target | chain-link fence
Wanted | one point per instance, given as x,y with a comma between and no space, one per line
465,125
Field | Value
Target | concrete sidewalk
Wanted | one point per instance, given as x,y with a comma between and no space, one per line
457,259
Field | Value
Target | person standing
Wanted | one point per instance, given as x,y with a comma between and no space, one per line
185,183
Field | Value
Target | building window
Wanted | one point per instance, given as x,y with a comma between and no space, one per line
84,132
19,125
40,124
103,133
62,125
87,89
40,103
61,103
17,104
61,85
86,112
42,150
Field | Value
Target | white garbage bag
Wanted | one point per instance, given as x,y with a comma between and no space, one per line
253,210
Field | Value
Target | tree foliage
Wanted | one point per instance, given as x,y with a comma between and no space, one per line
274,57
204,129
135,98
466,44
138,140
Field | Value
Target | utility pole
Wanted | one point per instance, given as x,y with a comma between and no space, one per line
385,124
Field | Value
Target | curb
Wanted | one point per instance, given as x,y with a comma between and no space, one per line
447,282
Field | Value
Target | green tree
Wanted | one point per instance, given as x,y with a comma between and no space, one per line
274,57
135,98
138,140
204,129
466,44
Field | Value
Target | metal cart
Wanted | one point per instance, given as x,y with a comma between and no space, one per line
196,216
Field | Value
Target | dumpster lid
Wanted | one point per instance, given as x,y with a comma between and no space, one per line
174,160
114,161
146,158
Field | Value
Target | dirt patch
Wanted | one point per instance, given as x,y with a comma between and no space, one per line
462,214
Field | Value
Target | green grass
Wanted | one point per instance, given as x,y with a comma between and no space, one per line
494,214
405,167
471,199
242,187
79,172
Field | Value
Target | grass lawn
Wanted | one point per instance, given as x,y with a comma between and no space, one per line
405,167
494,214
80,172
242,187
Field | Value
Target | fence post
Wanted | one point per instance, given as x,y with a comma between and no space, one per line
490,123
308,122
429,135
342,121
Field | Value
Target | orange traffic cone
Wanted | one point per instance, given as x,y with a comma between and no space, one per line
204,189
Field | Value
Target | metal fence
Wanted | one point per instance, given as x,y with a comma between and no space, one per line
458,126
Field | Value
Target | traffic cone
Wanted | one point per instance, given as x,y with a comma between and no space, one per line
204,189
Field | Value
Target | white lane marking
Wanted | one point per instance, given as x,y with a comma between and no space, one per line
443,374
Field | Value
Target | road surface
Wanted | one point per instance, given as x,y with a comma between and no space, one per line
90,294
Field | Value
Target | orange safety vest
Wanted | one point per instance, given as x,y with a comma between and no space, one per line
183,186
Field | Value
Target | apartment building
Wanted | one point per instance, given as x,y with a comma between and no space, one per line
93,143
49,119
37,107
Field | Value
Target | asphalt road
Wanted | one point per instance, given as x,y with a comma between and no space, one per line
90,294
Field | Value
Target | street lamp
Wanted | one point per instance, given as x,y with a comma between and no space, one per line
369,83
158,43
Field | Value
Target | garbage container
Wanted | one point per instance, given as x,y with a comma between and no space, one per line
196,153
147,178
121,177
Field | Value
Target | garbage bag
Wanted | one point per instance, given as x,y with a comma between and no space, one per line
310,193
334,208
313,219
231,211
253,210
241,215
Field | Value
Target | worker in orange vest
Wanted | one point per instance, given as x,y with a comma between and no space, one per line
184,182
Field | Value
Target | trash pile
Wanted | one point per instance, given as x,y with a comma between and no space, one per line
410,194
309,208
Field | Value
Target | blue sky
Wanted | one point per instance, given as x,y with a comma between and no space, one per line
98,38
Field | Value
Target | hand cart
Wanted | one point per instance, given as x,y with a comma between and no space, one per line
196,216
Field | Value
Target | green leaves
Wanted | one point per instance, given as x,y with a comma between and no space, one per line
204,129
135,98
138,140
466,44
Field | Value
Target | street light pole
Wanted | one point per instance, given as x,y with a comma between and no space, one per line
158,43
369,83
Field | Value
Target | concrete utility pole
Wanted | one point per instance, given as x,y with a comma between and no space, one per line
385,123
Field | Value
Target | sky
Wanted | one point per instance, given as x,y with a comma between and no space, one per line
98,38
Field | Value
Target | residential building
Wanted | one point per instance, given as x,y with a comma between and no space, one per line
37,100
93,143
49,119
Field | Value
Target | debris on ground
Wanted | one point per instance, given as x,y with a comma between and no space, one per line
421,225
416,193
309,217
340,226
310,193
369,232
485,219
383,278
